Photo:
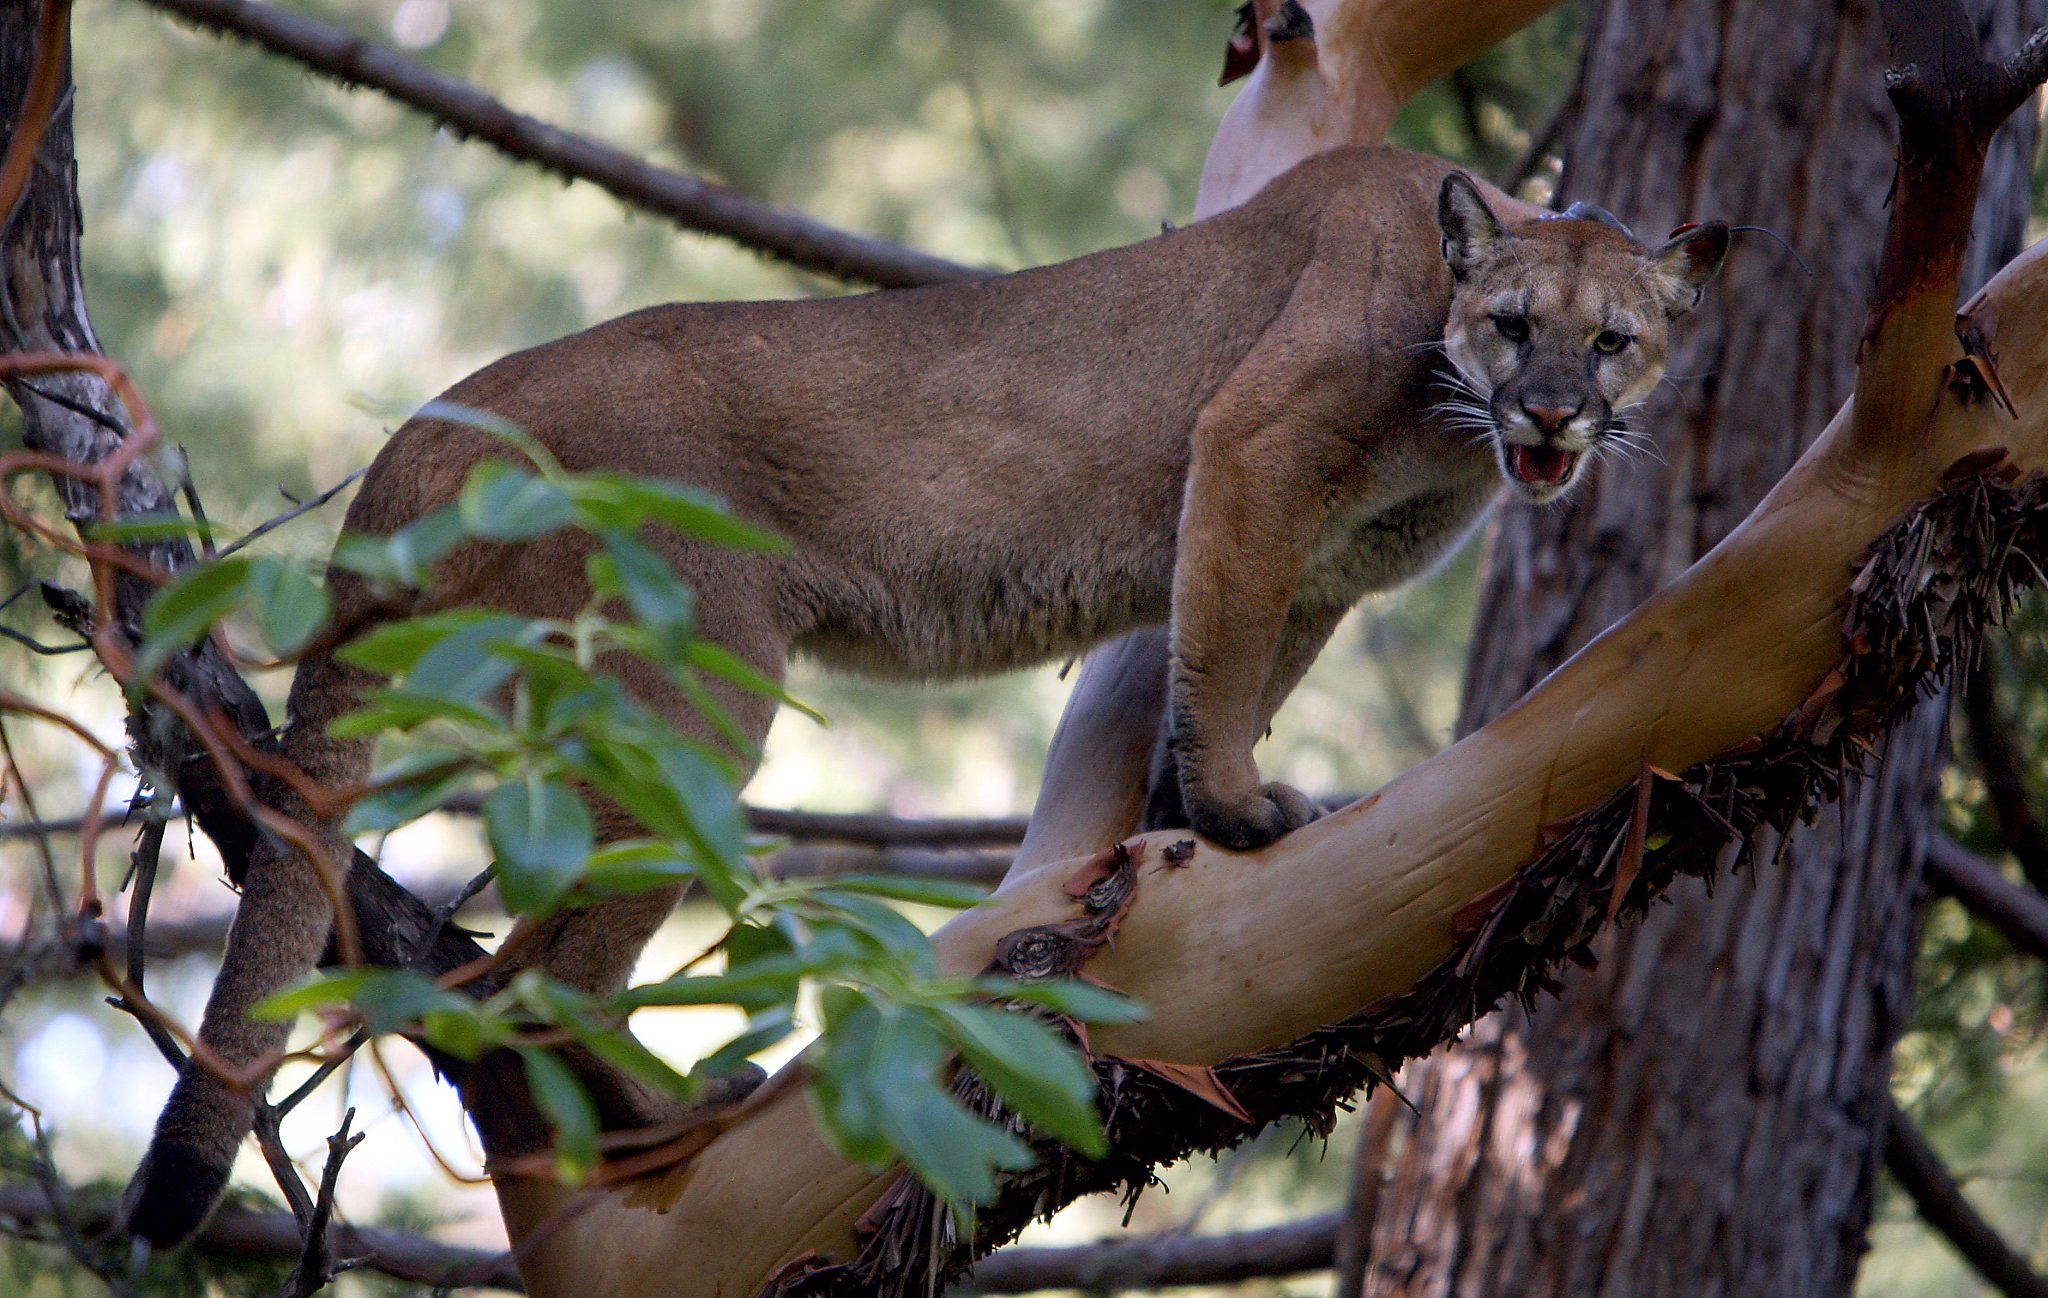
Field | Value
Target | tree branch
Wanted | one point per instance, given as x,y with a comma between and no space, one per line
1161,1260
254,1233
1154,1262
873,830
1920,1173
689,201
2019,912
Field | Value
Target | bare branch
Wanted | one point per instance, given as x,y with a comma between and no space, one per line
298,508
1920,1173
810,826
245,1232
1160,1261
317,1263
135,941
1142,1263
689,201
2019,912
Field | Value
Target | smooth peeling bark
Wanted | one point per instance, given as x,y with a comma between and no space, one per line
1346,84
1237,951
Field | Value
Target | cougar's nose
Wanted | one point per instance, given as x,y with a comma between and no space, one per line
1550,420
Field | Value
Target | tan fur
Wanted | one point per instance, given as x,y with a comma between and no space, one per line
1229,427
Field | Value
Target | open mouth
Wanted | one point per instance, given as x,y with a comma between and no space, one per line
1540,465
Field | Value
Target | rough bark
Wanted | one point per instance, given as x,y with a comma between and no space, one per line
1703,1114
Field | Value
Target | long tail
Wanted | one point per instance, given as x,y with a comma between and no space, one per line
281,928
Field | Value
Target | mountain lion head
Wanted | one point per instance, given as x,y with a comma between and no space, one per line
1557,326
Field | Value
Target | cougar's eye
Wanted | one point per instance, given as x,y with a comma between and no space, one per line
1607,342
1512,327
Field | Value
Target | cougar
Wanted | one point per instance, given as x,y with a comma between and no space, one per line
1236,429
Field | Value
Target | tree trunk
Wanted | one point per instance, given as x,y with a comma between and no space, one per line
1702,1114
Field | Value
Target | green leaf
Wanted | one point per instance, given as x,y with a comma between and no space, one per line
405,557
290,605
389,999
462,1033
496,425
504,503
181,612
881,925
625,502
716,660
568,1108
541,834
404,710
765,1029
640,866
463,666
582,1017
391,648
421,781
716,823
634,571
144,527
311,993
1033,1068
878,1087
1077,998
754,987
956,894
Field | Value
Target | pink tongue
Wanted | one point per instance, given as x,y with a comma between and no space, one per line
1539,463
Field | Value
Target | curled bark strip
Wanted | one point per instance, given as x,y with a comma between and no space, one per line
1921,596
1105,885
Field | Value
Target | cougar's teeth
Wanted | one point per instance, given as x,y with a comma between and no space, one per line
1542,464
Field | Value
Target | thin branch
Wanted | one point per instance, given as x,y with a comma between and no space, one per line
809,826
206,932
251,1233
689,201
317,1263
1920,1173
190,491
2017,911
298,508
1143,1263
135,941
282,1170
36,646
1161,1261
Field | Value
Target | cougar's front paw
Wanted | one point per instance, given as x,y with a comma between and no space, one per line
1252,821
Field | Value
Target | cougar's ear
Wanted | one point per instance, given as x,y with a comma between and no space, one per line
1472,233
1679,271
